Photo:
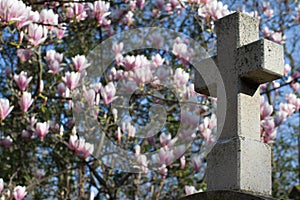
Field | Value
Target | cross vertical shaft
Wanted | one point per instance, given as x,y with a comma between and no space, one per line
240,161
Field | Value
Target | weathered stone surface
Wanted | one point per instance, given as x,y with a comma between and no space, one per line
243,169
225,195
259,62
240,161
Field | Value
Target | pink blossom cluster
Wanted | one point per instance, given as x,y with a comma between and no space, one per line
77,11
80,146
170,151
213,9
54,60
142,162
182,51
19,192
207,129
267,10
98,10
34,25
189,190
269,123
15,11
276,36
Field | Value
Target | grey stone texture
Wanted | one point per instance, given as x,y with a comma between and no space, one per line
240,161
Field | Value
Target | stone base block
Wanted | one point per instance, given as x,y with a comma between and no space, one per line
240,164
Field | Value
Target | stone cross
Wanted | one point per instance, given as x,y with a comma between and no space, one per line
240,161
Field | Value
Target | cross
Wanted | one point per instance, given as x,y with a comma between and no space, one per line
240,161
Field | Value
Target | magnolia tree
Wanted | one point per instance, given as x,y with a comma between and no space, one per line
91,107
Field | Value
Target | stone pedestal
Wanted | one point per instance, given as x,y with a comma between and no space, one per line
225,195
241,164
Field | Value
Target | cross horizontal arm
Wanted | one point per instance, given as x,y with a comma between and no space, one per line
260,62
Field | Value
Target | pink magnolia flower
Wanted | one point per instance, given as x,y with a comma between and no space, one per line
54,67
292,99
280,117
214,10
118,48
277,37
119,134
77,11
108,93
168,8
295,86
132,4
164,138
5,109
140,3
196,162
34,16
287,107
142,75
22,80
207,127
265,110
24,54
87,150
269,12
143,163
131,63
80,62
63,91
128,19
287,69
100,11
72,142
48,17
42,129
14,11
182,162
1,185
268,131
60,32
52,55
79,146
180,78
189,91
37,34
53,60
180,50
72,79
89,95
26,101
158,60
19,192
166,156
189,190
129,129
163,170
